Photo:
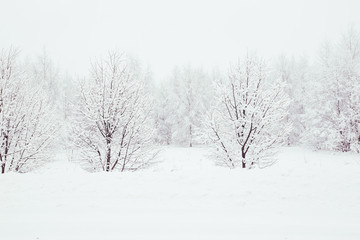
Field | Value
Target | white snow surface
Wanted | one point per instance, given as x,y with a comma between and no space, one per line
306,195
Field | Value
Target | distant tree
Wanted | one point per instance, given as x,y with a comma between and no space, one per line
68,95
248,121
296,73
48,76
334,114
164,115
27,125
110,127
192,97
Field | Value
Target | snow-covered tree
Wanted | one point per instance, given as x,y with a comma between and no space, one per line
58,89
27,125
334,114
48,76
164,114
111,124
191,99
296,74
248,121
68,95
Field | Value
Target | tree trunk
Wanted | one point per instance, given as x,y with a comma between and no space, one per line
108,155
3,168
6,137
243,163
190,131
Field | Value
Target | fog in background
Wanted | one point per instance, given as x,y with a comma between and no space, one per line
163,34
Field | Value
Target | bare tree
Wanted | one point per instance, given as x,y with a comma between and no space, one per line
247,123
112,118
26,123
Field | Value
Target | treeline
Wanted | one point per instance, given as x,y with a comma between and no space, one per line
324,96
111,119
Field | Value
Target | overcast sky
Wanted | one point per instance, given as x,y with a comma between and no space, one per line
163,34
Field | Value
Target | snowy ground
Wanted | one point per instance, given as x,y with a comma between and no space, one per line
306,195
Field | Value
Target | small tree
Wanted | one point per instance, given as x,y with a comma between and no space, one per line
26,122
110,127
248,120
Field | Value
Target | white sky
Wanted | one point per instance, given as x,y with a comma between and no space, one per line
163,34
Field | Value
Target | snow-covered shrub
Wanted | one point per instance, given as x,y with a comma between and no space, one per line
247,123
111,122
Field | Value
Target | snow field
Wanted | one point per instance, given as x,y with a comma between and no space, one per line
306,195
